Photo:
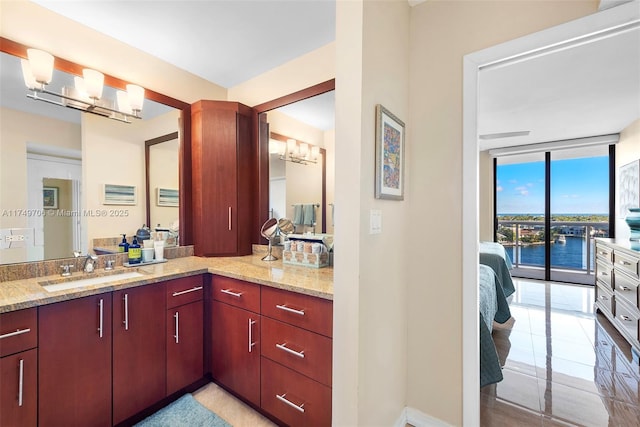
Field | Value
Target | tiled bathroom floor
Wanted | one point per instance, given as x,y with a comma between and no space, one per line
563,365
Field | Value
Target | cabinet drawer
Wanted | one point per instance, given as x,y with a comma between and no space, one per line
314,314
628,317
626,288
184,291
301,350
18,331
604,297
603,274
237,293
604,253
626,263
293,398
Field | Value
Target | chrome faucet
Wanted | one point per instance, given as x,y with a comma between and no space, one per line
89,261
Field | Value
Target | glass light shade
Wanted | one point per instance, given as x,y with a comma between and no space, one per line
292,146
124,105
93,82
304,149
41,64
274,146
81,90
136,96
27,75
315,152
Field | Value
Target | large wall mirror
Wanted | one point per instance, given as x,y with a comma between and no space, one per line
59,167
302,119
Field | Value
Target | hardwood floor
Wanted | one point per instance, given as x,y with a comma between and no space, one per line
563,365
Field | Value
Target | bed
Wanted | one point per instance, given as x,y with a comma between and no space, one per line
493,306
495,256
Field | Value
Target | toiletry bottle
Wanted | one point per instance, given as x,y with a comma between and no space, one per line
124,246
135,252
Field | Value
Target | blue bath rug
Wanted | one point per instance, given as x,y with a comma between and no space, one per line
184,412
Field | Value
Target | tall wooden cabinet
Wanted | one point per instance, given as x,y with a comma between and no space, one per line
223,165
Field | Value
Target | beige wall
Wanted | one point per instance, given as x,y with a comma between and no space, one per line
627,151
163,173
442,32
58,231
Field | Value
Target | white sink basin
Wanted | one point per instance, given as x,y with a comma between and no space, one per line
72,284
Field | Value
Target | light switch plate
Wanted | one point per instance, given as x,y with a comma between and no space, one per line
375,221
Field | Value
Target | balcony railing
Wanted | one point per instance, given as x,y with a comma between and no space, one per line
572,247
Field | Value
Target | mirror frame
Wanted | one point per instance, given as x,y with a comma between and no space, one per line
184,130
262,144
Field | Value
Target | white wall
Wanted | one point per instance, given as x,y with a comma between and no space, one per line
627,150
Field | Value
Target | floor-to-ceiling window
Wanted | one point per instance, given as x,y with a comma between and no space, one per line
549,208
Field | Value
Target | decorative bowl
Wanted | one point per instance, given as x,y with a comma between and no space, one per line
633,221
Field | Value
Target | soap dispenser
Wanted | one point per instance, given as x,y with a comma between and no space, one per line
135,252
123,246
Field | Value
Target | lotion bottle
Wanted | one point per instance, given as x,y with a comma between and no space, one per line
135,252
123,246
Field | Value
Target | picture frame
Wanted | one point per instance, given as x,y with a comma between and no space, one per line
116,194
167,197
629,187
389,176
50,197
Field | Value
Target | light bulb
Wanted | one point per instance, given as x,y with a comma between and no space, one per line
136,97
93,82
27,75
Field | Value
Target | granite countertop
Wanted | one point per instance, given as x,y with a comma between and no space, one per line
20,294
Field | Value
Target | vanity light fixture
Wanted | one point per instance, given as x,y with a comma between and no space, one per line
85,95
296,152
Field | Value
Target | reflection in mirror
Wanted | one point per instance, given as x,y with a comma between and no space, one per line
299,187
54,164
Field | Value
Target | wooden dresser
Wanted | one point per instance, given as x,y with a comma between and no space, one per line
617,287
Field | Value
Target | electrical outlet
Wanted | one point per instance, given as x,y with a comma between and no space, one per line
15,238
375,221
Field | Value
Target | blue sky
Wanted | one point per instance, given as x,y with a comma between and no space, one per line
578,186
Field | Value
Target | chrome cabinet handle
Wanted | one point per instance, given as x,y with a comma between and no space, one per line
288,350
290,403
21,382
604,297
177,317
195,288
627,318
290,310
101,305
604,273
230,292
126,312
624,288
17,332
251,343
229,218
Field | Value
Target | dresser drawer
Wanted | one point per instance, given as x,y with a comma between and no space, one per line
184,290
301,350
628,317
237,293
604,298
626,263
293,398
18,331
314,314
603,274
626,288
604,253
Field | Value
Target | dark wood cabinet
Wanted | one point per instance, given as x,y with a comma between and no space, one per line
223,164
19,368
139,357
184,332
74,362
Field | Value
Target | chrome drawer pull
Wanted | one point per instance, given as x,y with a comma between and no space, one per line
604,298
251,343
195,288
604,273
101,305
288,350
624,262
627,318
290,403
290,310
21,382
17,332
126,312
176,336
624,288
230,292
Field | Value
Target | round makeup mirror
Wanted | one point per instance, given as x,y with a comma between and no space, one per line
269,230
285,226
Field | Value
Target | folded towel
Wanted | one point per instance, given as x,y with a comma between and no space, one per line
309,214
298,216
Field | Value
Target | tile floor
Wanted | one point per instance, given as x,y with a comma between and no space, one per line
563,364
229,408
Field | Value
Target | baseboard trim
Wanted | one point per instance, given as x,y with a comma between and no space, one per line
418,419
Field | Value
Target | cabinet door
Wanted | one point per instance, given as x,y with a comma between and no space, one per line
18,389
138,349
185,351
235,350
75,362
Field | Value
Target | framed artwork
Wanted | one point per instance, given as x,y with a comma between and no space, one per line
629,187
166,197
389,155
50,197
119,194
